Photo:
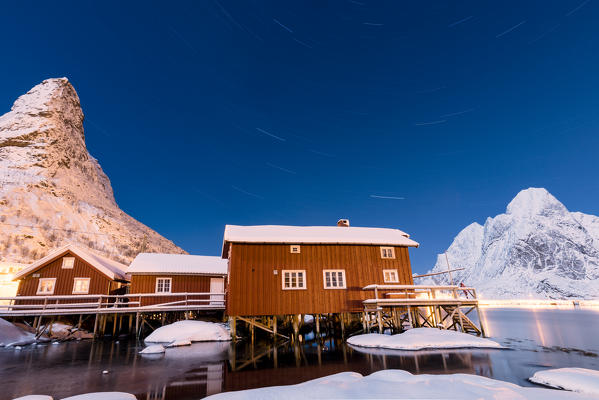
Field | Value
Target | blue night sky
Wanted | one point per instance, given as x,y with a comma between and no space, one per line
206,113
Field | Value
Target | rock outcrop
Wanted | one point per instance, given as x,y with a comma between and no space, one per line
52,191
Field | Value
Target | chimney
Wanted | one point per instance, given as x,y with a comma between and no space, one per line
343,222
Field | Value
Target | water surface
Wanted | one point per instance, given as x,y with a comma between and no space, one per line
537,339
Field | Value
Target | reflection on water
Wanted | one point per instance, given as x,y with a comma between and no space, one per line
537,339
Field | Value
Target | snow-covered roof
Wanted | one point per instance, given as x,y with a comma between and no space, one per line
112,269
316,235
153,263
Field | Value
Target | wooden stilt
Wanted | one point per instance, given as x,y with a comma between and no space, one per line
113,325
274,326
252,333
342,319
379,321
137,325
317,321
80,321
130,324
96,326
233,326
162,318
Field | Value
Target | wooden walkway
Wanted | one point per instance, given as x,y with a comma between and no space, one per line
112,309
398,307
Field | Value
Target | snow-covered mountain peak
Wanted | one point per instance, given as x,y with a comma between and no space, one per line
52,191
537,248
535,201
40,97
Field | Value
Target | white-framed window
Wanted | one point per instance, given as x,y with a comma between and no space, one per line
68,262
334,278
295,249
46,286
294,279
390,276
81,286
387,252
163,285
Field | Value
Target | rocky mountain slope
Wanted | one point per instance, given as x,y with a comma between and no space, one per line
52,191
536,249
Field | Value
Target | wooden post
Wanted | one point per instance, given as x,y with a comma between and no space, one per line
137,325
104,319
317,317
379,320
80,321
342,320
114,318
252,333
233,326
130,323
162,318
274,327
410,316
295,323
364,322
96,326
460,315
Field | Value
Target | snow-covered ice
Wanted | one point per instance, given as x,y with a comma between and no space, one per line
398,384
11,335
35,397
580,380
179,343
193,331
103,396
422,338
153,349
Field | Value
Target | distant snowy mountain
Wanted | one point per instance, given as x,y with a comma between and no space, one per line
536,249
52,191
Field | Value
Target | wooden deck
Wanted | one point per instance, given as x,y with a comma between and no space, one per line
20,306
409,306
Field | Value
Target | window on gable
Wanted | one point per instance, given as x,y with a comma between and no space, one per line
295,248
387,252
68,262
81,286
390,276
163,285
294,279
46,286
334,278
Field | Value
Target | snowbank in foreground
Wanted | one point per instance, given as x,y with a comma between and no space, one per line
575,379
103,396
422,338
86,396
11,335
193,331
398,384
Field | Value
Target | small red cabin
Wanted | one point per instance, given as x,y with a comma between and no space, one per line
71,270
173,278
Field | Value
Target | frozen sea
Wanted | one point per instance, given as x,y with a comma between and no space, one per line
537,339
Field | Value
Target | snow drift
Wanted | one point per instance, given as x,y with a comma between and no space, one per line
398,384
575,379
190,331
11,335
422,338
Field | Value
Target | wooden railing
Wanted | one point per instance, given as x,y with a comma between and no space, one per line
419,293
90,304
